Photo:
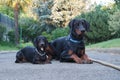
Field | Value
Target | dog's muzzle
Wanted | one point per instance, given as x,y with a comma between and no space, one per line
81,28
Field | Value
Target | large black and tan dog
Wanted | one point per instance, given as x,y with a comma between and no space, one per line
72,47
40,54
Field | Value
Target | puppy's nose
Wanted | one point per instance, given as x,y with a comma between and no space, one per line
81,28
42,43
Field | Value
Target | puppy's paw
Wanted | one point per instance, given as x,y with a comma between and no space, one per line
48,62
16,61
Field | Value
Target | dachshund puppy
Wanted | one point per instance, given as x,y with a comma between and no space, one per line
40,54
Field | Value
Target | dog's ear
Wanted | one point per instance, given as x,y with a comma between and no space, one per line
35,41
46,41
71,23
86,24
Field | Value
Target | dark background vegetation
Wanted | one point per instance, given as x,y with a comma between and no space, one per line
51,17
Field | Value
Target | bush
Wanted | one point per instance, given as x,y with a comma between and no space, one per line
98,20
114,24
47,35
22,45
4,9
59,32
2,31
28,28
11,36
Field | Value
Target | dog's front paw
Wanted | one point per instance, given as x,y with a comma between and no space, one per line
87,62
78,60
16,61
48,62
90,62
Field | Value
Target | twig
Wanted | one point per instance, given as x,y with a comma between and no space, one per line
106,64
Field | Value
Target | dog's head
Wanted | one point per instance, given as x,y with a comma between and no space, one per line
78,27
40,43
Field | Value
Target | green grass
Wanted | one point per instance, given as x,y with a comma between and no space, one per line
114,43
25,44
7,46
106,44
10,46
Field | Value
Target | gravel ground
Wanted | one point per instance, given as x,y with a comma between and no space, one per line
60,71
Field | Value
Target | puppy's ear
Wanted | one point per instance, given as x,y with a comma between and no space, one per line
71,23
35,42
46,41
86,24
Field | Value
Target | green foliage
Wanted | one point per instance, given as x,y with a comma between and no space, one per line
43,11
59,32
114,24
7,46
47,35
2,31
29,28
55,14
22,45
65,10
11,36
7,10
117,3
11,46
113,43
99,25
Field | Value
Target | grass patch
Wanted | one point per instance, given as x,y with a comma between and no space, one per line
7,46
106,44
10,46
22,45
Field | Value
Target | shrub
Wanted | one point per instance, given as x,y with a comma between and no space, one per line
11,36
59,32
2,31
47,35
114,24
98,24
28,28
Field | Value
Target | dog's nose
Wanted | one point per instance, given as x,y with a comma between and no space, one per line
81,28
83,31
41,43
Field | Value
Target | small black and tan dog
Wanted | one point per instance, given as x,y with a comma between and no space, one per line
72,47
40,54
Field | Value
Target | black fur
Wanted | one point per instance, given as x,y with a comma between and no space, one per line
30,54
74,41
35,55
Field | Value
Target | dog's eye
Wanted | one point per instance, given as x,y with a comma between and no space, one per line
76,24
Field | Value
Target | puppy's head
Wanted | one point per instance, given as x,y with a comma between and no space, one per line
40,43
78,27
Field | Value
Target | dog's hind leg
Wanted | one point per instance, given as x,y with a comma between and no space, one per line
70,57
65,57
19,57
